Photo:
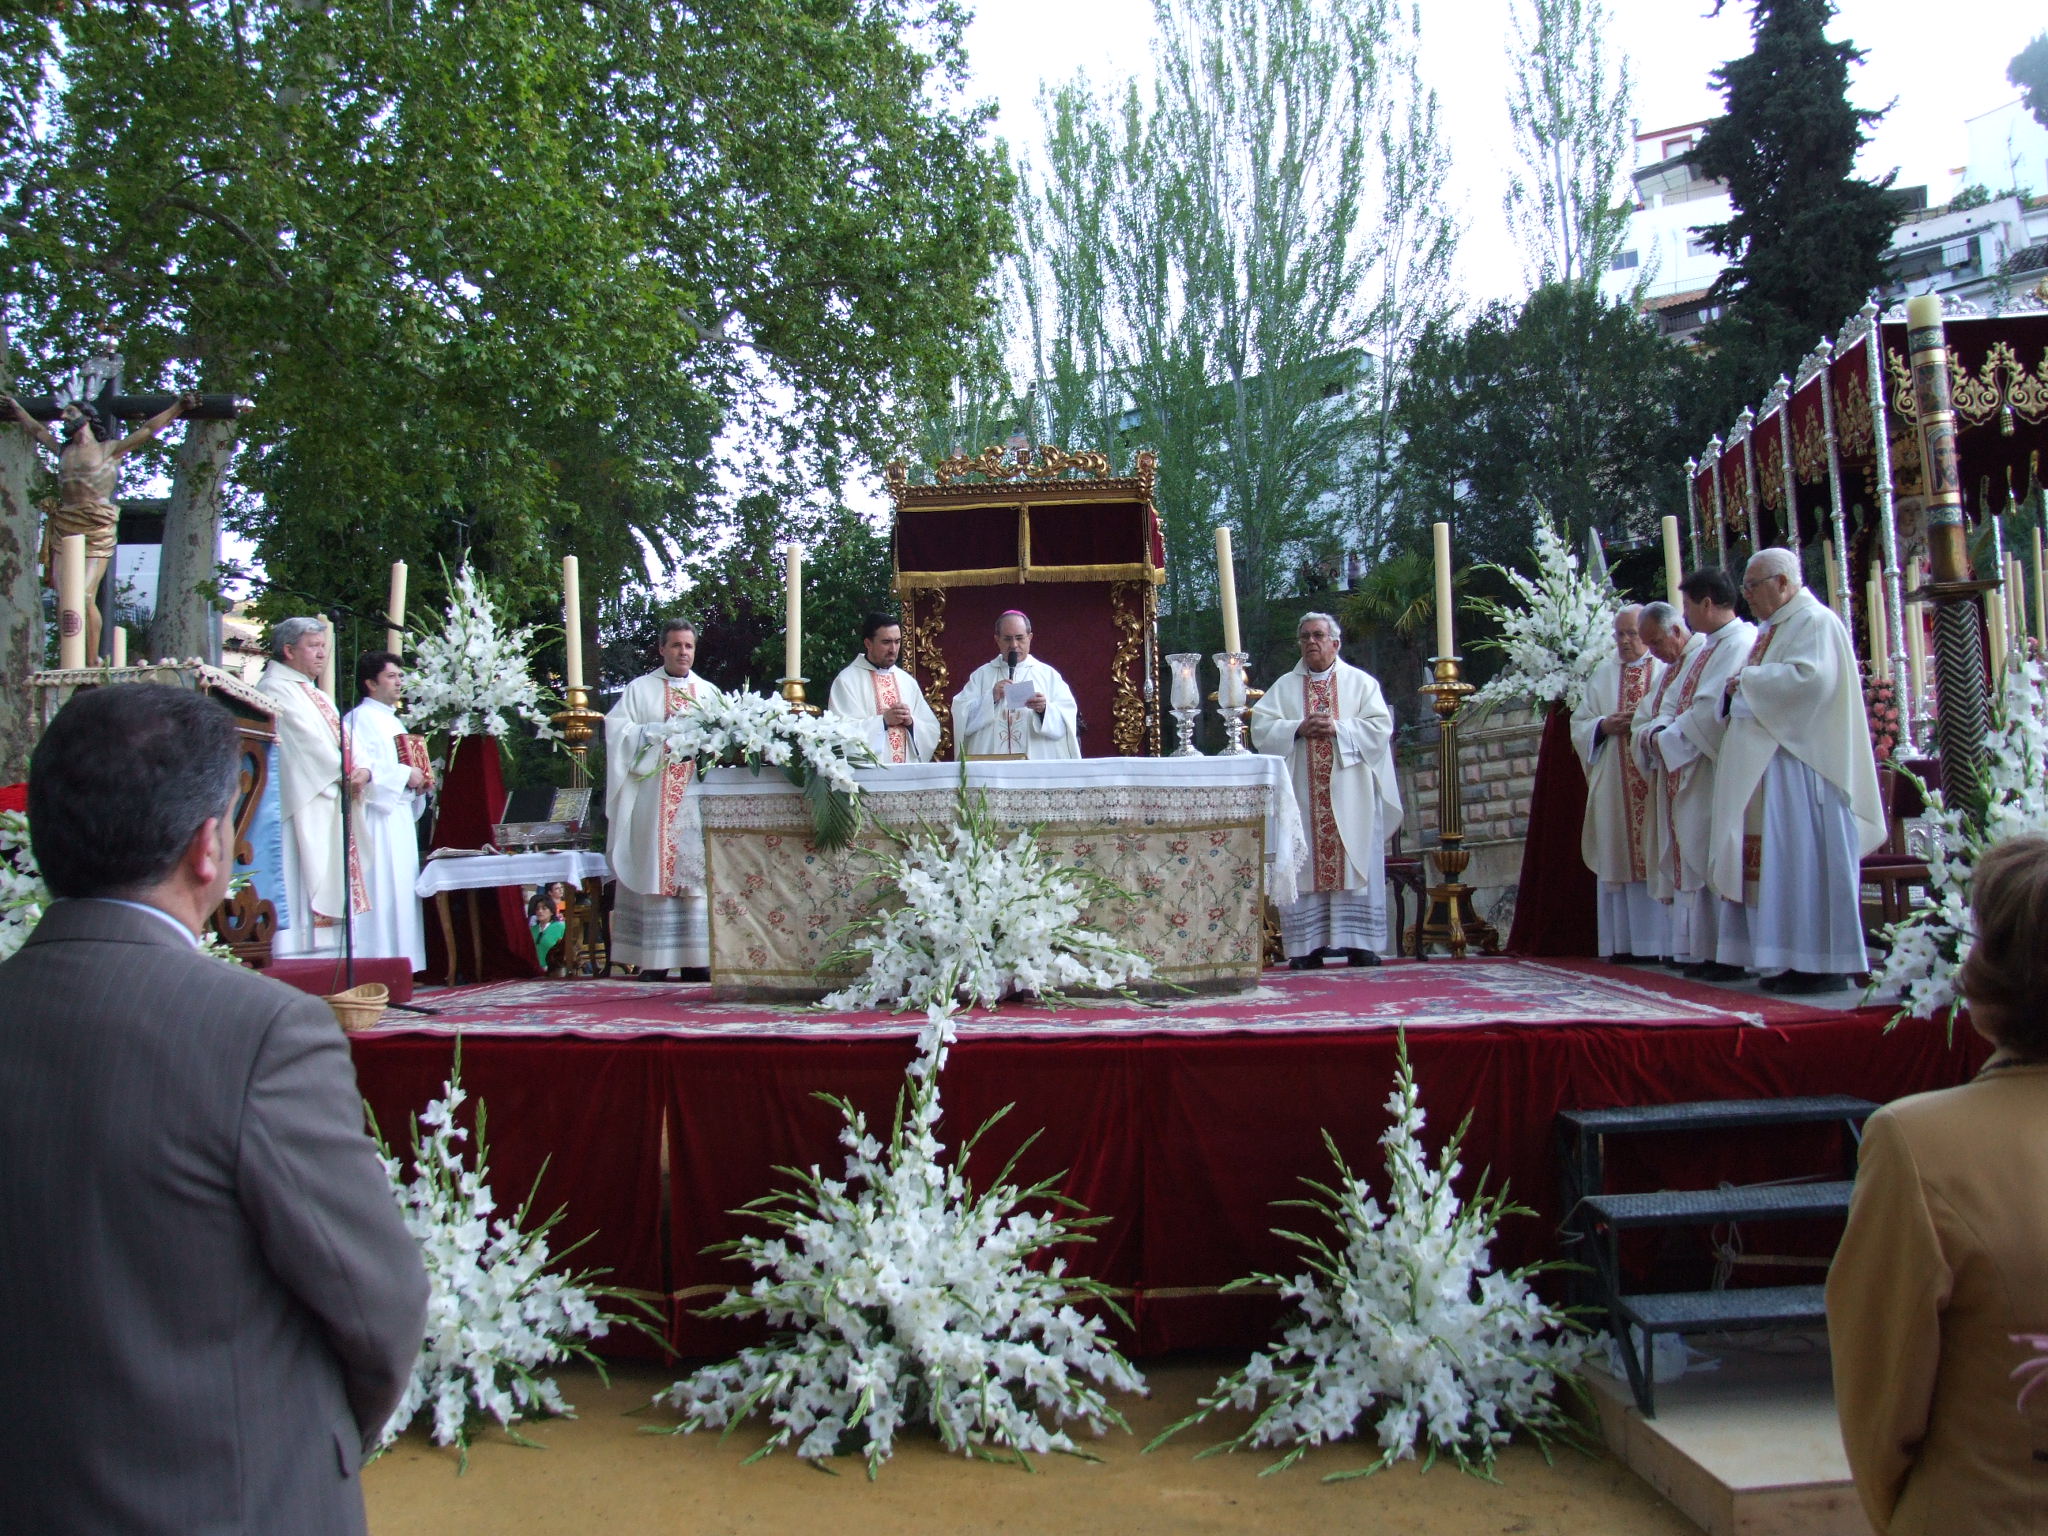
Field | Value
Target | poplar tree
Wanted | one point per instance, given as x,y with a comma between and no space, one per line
1807,239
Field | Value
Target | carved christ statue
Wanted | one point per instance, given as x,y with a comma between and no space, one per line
88,472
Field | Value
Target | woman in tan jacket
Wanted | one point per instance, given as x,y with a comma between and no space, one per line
1945,1258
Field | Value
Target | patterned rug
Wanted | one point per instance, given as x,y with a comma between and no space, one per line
1471,994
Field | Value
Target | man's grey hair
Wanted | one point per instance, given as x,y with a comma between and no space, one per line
290,632
671,626
1778,562
1336,629
1663,615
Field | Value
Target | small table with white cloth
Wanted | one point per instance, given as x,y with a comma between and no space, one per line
487,871
1201,842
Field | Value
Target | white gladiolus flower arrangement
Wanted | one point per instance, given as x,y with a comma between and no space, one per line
903,1297
23,896
817,753
1558,635
474,676
1929,945
496,1312
980,918
1403,1327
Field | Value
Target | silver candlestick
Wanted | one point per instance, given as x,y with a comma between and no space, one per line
1232,667
1186,694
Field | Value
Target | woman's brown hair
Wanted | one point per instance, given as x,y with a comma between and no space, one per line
2005,977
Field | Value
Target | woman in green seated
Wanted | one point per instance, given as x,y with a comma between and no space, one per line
545,919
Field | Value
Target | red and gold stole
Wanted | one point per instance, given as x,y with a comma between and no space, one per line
358,888
1635,787
887,697
1319,697
675,783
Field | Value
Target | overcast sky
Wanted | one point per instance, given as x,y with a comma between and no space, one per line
1937,64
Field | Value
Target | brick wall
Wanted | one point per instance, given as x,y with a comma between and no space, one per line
1497,774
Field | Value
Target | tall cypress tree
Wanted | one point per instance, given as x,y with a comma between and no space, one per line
1807,239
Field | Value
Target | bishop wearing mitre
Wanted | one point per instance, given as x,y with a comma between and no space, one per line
323,879
1632,925
1795,792
661,920
1016,705
884,699
1332,724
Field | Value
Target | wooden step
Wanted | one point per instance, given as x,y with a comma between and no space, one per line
1706,1207
1765,1306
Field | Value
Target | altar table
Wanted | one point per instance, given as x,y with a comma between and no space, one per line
486,871
1200,842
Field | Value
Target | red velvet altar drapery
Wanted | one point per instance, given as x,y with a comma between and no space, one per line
472,802
1184,1143
1554,909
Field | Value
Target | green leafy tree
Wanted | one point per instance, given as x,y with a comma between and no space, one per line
504,277
2029,71
1565,405
1569,108
1807,239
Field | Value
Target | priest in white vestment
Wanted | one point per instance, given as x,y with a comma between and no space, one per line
1632,925
660,917
323,881
1332,724
1687,742
1015,705
1795,792
880,696
1663,632
391,805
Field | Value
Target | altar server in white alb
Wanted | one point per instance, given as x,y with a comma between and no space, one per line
1665,636
878,694
1687,738
1016,704
660,920
1332,724
391,805
1632,924
1795,793
321,878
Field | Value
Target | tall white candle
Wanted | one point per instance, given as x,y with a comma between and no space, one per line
1673,573
1916,641
1440,534
120,646
394,611
71,602
327,670
1994,625
2040,594
572,621
2016,608
1226,581
1880,638
793,614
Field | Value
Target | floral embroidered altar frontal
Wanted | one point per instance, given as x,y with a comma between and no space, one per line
1199,842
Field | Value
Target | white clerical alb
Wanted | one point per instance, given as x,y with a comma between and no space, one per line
1660,841
309,802
659,919
980,729
388,811
1350,802
1796,802
862,692
1631,922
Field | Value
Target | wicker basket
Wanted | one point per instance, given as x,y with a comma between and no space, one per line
360,1008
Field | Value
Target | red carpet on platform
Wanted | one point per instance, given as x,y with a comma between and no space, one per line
657,1112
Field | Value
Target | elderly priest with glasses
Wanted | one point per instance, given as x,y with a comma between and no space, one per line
1331,723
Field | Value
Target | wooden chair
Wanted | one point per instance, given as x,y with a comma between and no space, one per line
1893,868
1405,874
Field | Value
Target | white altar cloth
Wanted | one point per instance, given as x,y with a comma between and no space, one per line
481,871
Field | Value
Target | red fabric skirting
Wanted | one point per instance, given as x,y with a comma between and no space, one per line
1555,912
1185,1143
473,799
324,977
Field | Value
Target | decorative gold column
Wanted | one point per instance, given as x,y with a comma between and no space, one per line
1450,919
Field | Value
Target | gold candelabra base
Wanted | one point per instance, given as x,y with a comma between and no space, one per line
1450,919
793,691
578,724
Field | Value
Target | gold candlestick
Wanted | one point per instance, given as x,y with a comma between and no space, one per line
793,691
1450,919
578,723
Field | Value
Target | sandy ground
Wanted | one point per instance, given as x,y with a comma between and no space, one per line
601,1472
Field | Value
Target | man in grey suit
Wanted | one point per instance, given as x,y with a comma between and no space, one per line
209,1304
